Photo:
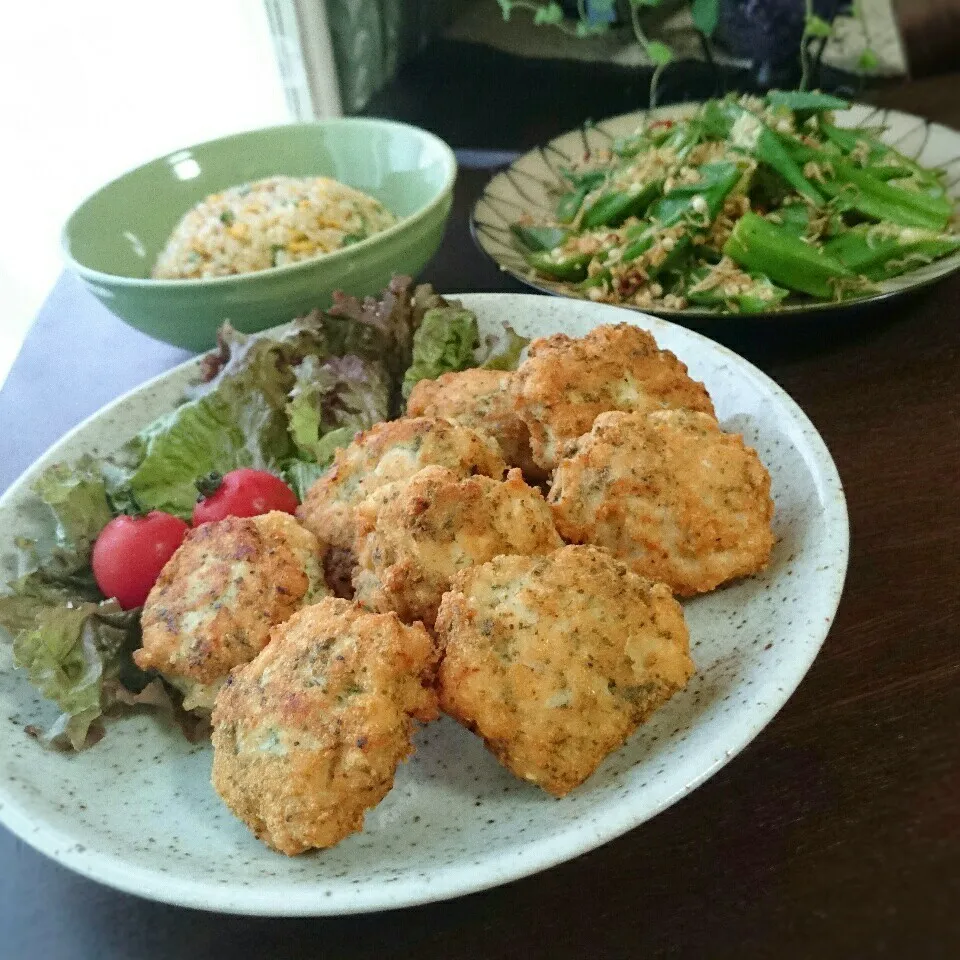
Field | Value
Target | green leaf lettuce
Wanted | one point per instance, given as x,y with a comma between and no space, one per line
78,656
445,342
284,401
73,643
332,401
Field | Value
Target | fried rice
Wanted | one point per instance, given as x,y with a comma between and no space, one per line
269,223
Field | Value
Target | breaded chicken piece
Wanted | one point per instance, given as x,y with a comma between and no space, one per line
308,736
671,495
565,384
479,399
555,660
216,599
387,452
416,534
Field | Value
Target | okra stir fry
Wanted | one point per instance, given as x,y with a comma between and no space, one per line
741,206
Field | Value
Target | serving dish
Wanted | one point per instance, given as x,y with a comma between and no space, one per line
137,811
530,185
111,241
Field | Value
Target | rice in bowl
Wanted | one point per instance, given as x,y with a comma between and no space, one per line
269,223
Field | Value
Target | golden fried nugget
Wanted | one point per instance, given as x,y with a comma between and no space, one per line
479,399
215,601
383,454
671,495
308,736
416,534
555,660
565,384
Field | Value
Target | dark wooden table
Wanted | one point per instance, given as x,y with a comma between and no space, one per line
835,834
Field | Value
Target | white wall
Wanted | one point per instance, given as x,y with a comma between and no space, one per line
90,88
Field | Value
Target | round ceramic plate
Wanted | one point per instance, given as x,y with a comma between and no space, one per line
137,811
530,185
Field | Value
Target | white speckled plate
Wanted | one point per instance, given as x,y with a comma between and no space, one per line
137,811
529,185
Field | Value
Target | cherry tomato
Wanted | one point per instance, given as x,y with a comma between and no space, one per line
242,493
130,553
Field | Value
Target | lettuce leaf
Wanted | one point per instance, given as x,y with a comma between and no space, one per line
238,415
35,592
224,430
76,496
398,314
448,340
70,508
78,656
281,400
237,418
301,475
333,401
501,350
445,342
74,644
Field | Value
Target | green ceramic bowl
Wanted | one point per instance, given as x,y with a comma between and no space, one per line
113,238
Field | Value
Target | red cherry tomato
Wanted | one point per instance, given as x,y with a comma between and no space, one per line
130,553
242,493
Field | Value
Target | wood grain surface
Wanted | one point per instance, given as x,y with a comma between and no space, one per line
835,834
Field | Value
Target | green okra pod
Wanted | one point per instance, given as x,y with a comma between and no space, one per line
753,136
763,247
699,202
881,251
582,183
611,208
591,179
856,189
716,182
569,204
761,296
571,267
883,161
539,238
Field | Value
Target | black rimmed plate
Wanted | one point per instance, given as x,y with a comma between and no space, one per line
531,183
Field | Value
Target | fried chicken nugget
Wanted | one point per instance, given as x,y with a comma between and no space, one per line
416,534
387,452
218,596
479,399
671,495
308,736
555,660
565,384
